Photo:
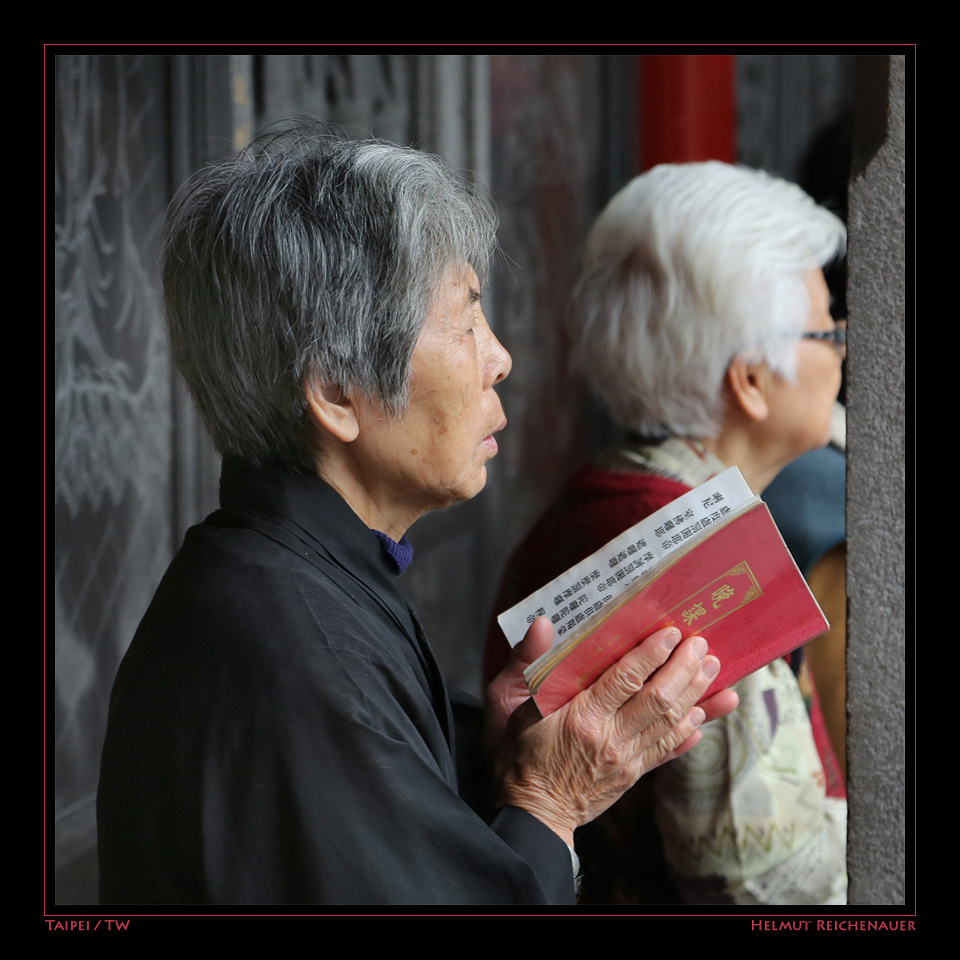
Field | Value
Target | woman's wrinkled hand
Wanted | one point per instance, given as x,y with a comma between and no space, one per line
569,767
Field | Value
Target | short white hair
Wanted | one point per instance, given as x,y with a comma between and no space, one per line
689,266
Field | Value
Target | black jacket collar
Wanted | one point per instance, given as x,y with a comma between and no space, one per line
315,510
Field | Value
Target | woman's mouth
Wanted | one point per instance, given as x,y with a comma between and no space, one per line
490,441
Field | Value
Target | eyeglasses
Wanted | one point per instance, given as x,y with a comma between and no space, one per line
837,337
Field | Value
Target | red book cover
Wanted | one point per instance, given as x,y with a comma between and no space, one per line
738,587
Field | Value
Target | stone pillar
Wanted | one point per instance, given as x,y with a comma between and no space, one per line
878,565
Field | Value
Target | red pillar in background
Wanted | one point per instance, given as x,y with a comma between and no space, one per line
687,109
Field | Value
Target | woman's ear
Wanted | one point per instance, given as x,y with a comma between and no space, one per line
749,384
333,411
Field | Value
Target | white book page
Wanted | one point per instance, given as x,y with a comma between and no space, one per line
575,597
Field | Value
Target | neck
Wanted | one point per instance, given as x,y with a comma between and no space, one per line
373,505
737,445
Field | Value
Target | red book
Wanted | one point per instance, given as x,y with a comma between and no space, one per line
735,584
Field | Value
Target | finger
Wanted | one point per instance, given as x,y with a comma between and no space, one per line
720,704
674,689
717,706
628,675
684,747
680,738
671,727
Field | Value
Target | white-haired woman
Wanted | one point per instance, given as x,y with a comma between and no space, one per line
704,325
279,731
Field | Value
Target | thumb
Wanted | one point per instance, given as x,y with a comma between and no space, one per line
508,690
509,682
536,642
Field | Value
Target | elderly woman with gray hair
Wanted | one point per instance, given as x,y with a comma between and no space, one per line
279,730
704,325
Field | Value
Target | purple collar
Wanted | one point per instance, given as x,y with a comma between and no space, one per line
400,553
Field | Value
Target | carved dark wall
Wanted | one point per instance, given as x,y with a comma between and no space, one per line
112,404
367,95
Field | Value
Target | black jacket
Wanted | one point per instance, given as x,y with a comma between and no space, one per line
279,731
